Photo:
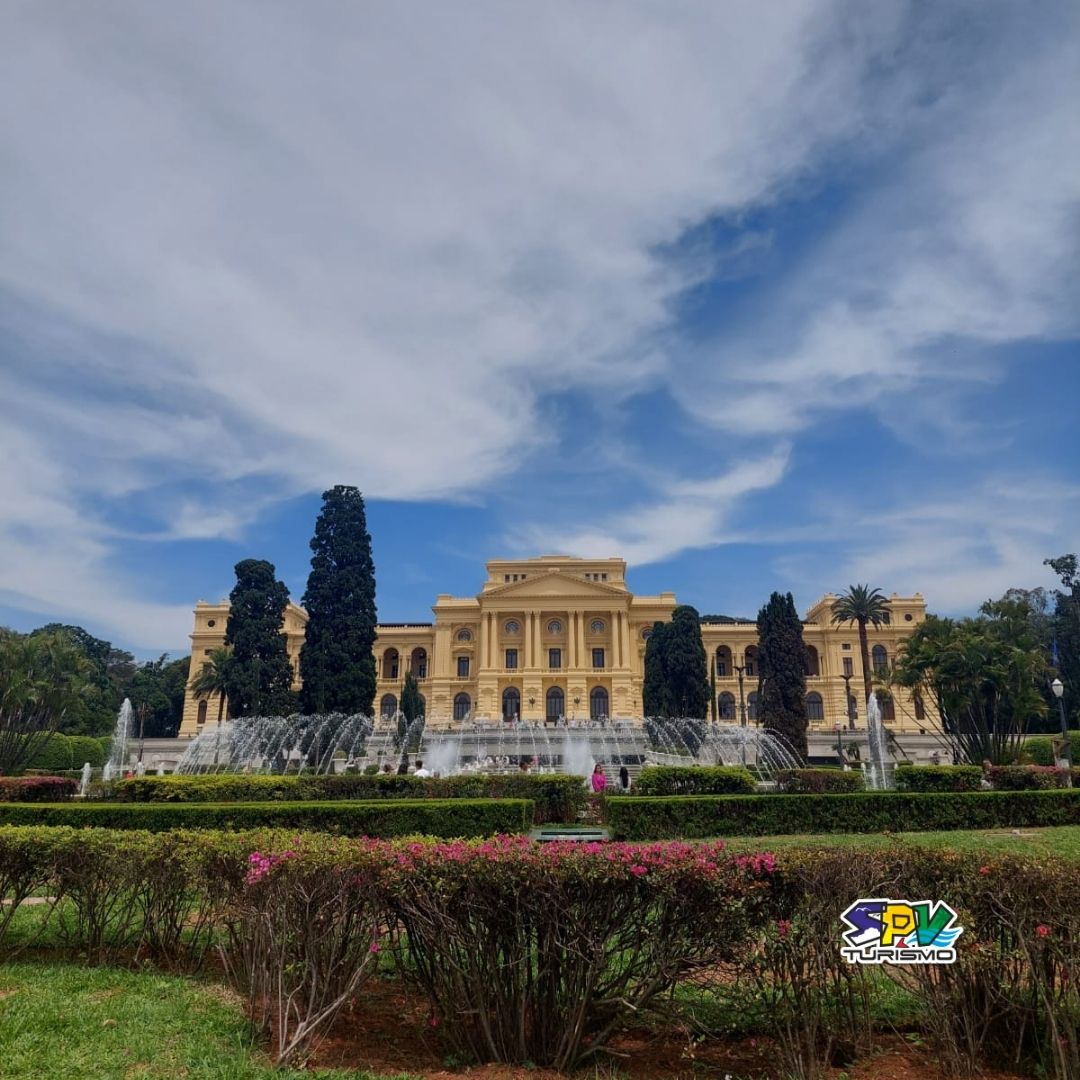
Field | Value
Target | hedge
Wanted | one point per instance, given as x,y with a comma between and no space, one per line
819,781
400,817
36,788
556,798
695,817
694,780
63,752
1040,748
1027,777
939,778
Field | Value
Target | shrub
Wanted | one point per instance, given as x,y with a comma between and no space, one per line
556,798
1040,748
539,953
36,788
447,817
819,781
939,778
1027,777
634,818
694,780
68,752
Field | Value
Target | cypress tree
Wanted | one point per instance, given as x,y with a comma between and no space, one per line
685,667
411,705
259,674
782,671
337,664
654,700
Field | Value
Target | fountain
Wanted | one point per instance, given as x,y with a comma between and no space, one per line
107,772
118,752
84,781
336,742
879,770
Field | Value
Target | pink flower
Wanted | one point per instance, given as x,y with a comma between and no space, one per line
984,870
1042,930
375,947
782,927
637,870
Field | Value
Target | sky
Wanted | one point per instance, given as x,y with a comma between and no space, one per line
756,296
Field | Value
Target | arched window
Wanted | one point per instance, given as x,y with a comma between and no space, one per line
726,703
511,704
554,627
920,708
462,705
879,658
419,663
390,661
464,635
750,661
597,626
202,712
556,704
723,662
512,627
853,707
388,706
752,706
813,669
888,710
598,703
815,709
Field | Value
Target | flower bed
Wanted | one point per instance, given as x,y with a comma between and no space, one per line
36,788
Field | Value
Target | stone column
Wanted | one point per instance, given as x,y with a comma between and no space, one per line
627,642
526,659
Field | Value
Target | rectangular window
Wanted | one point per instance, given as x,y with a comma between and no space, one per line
554,658
598,658
849,668
721,667
463,667
511,658
846,646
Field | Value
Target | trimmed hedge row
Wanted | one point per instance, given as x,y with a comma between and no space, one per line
939,778
819,781
1040,748
36,788
695,817
1028,777
556,798
400,817
694,780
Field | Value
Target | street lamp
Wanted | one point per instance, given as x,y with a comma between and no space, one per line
742,701
847,702
1059,692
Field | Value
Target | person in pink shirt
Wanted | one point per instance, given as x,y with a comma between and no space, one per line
599,780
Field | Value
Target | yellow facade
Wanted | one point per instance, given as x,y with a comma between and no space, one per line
561,637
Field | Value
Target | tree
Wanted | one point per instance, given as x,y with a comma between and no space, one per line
676,681
412,704
863,606
983,674
1064,632
259,675
654,687
43,676
337,662
213,678
782,671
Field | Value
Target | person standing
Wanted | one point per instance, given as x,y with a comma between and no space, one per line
421,773
599,780
624,779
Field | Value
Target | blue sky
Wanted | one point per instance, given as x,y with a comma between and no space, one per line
755,296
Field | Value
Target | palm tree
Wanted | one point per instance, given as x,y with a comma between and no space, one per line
862,605
213,679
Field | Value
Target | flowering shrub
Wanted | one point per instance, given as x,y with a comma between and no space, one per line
1026,777
36,788
539,953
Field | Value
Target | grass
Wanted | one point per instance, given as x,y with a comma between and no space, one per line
1062,841
105,1023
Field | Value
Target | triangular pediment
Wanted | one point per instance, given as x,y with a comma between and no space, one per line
554,583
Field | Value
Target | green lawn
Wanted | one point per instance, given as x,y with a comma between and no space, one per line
61,1020
1062,841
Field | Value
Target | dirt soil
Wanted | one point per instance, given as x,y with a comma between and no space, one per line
395,1036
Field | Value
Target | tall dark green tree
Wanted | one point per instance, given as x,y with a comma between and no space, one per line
337,664
676,682
782,671
259,673
412,704
1064,641
157,695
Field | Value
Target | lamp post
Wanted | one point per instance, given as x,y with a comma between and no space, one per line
847,702
1059,692
742,701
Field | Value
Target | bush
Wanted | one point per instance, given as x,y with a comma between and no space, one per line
819,781
694,780
556,798
68,752
446,817
1040,748
36,788
1027,777
634,818
939,778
